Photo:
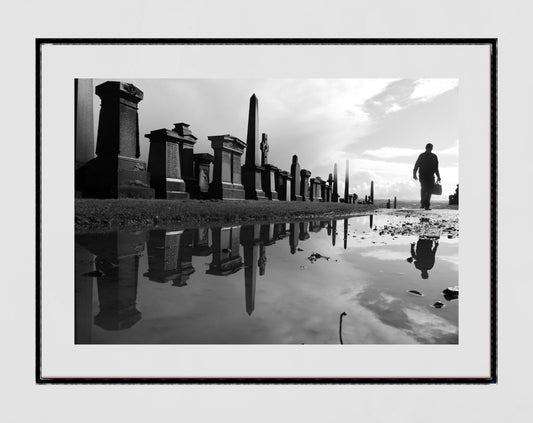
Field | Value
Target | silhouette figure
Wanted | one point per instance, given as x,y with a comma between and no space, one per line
427,166
424,256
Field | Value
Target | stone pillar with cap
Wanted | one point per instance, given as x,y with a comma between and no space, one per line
226,184
116,172
251,170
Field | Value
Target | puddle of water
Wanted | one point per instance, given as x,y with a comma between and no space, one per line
266,284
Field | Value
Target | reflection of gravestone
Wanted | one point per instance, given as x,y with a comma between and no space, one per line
268,174
116,172
186,155
200,242
117,261
304,232
314,226
185,266
226,183
251,171
304,184
296,177
280,230
202,163
163,250
294,236
164,164
226,258
335,189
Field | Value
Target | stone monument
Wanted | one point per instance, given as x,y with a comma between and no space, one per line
268,174
164,164
116,172
335,193
347,183
226,183
304,184
296,176
251,170
371,199
186,156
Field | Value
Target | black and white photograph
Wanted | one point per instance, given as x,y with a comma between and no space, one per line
267,211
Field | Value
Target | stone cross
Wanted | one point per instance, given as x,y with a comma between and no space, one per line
264,150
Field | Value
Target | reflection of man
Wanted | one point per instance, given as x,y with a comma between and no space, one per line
424,255
427,165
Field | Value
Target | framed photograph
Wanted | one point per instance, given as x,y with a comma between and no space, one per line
266,210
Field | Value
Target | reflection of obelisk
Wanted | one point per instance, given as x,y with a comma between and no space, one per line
251,171
335,195
345,233
371,221
334,233
347,183
250,240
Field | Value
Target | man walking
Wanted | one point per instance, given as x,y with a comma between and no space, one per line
427,166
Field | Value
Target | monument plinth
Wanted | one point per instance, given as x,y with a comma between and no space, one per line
315,189
116,172
251,171
226,183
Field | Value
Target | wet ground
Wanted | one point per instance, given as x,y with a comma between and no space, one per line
375,279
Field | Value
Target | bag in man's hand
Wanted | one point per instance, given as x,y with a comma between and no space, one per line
437,189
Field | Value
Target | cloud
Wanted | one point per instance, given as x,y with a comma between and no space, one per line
392,152
428,89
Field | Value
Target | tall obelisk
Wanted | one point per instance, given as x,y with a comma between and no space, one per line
335,195
251,171
347,183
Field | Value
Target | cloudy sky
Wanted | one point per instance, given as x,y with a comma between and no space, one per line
380,125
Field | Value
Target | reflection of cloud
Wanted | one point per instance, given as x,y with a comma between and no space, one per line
417,322
451,259
384,254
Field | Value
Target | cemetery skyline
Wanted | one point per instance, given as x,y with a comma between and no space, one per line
379,125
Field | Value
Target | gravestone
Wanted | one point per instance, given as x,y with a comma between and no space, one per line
226,183
116,172
202,164
296,178
226,258
323,190
281,185
315,189
329,188
304,184
347,198
335,193
164,164
268,174
251,170
394,202
186,156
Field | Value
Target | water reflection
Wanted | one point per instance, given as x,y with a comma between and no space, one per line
424,255
297,300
